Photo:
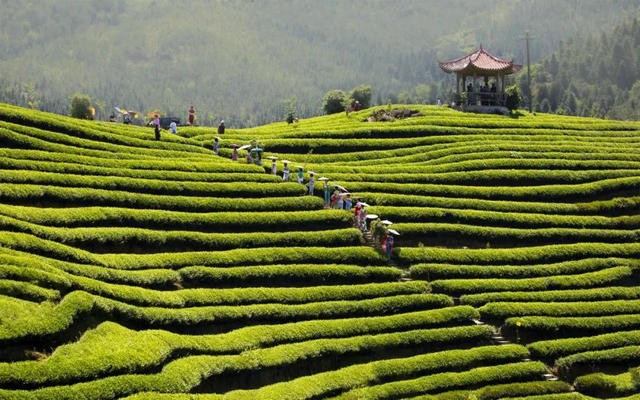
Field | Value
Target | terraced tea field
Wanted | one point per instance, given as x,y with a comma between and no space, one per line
143,269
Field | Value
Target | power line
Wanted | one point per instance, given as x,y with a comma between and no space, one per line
527,38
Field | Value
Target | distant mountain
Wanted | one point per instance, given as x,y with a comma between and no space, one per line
593,75
242,60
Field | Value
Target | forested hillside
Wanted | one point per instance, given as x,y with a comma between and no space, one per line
596,75
243,60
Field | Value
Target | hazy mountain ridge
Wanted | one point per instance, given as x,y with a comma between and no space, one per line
240,60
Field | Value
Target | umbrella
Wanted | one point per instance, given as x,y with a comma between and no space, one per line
394,232
322,178
257,149
311,173
285,161
363,204
386,222
244,147
272,158
299,167
235,145
372,216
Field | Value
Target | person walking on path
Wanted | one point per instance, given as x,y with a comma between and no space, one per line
327,194
312,183
285,170
274,167
234,153
191,115
363,217
389,244
156,126
300,174
173,127
216,145
221,128
347,201
249,159
356,213
339,201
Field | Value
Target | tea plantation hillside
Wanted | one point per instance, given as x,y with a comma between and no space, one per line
143,269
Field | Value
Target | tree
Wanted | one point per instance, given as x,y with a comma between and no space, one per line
334,101
362,94
290,105
80,106
513,97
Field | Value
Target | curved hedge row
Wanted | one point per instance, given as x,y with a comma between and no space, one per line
181,176
185,373
528,220
105,239
432,271
328,383
614,275
594,294
175,220
559,309
564,347
449,380
586,325
109,160
70,196
437,232
153,186
111,348
616,205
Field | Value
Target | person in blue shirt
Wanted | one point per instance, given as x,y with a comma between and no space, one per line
347,201
327,194
389,244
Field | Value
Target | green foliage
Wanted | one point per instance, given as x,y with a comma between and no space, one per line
604,293
601,84
607,386
80,106
447,380
513,97
589,279
220,270
362,94
334,101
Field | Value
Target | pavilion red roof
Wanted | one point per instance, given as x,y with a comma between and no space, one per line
480,62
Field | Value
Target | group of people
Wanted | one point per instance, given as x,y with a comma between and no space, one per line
335,196
173,126
485,95
191,120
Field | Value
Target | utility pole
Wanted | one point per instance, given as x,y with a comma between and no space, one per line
526,38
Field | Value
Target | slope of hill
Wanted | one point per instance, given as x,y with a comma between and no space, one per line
155,269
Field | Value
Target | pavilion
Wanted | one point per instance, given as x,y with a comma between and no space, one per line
482,76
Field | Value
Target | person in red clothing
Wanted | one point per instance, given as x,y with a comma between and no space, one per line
191,115
356,212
